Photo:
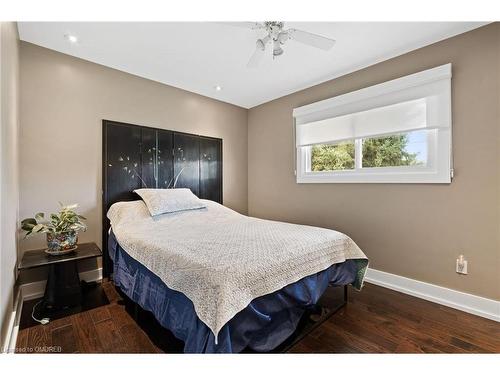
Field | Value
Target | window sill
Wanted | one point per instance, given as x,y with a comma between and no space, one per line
353,177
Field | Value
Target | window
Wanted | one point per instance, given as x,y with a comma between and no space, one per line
400,150
395,132
332,157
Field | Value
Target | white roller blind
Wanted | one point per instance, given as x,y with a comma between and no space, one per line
418,101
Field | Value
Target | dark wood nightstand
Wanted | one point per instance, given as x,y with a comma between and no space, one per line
63,287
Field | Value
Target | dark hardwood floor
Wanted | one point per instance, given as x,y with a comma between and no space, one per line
376,320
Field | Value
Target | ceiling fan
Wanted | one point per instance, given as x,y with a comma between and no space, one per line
278,36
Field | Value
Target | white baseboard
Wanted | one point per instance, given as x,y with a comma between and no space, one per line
30,291
13,325
484,307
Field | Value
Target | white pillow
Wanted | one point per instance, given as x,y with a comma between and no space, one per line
127,212
162,201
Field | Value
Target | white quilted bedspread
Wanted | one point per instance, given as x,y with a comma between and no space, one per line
222,260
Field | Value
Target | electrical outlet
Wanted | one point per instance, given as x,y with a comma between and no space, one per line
461,265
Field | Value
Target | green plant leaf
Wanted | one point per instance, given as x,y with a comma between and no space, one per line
29,220
66,219
38,228
28,224
70,207
27,227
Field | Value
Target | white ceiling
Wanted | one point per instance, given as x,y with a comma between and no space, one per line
196,56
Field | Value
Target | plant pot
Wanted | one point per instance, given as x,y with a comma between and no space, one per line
62,241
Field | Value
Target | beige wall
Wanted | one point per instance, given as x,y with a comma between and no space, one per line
9,184
64,99
410,230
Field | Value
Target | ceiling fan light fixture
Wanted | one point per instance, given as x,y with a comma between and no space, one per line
260,44
277,51
283,37
276,33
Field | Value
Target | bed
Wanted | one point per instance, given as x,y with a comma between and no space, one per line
220,281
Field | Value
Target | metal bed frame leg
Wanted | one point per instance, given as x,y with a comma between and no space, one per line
288,344
136,312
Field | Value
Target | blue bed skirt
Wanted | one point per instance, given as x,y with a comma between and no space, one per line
264,324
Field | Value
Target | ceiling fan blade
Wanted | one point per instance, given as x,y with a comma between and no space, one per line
311,39
246,25
256,57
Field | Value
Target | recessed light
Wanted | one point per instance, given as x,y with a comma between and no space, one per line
72,38
217,88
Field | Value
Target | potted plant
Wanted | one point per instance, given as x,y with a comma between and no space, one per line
61,229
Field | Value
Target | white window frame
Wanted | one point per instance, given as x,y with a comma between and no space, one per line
438,168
